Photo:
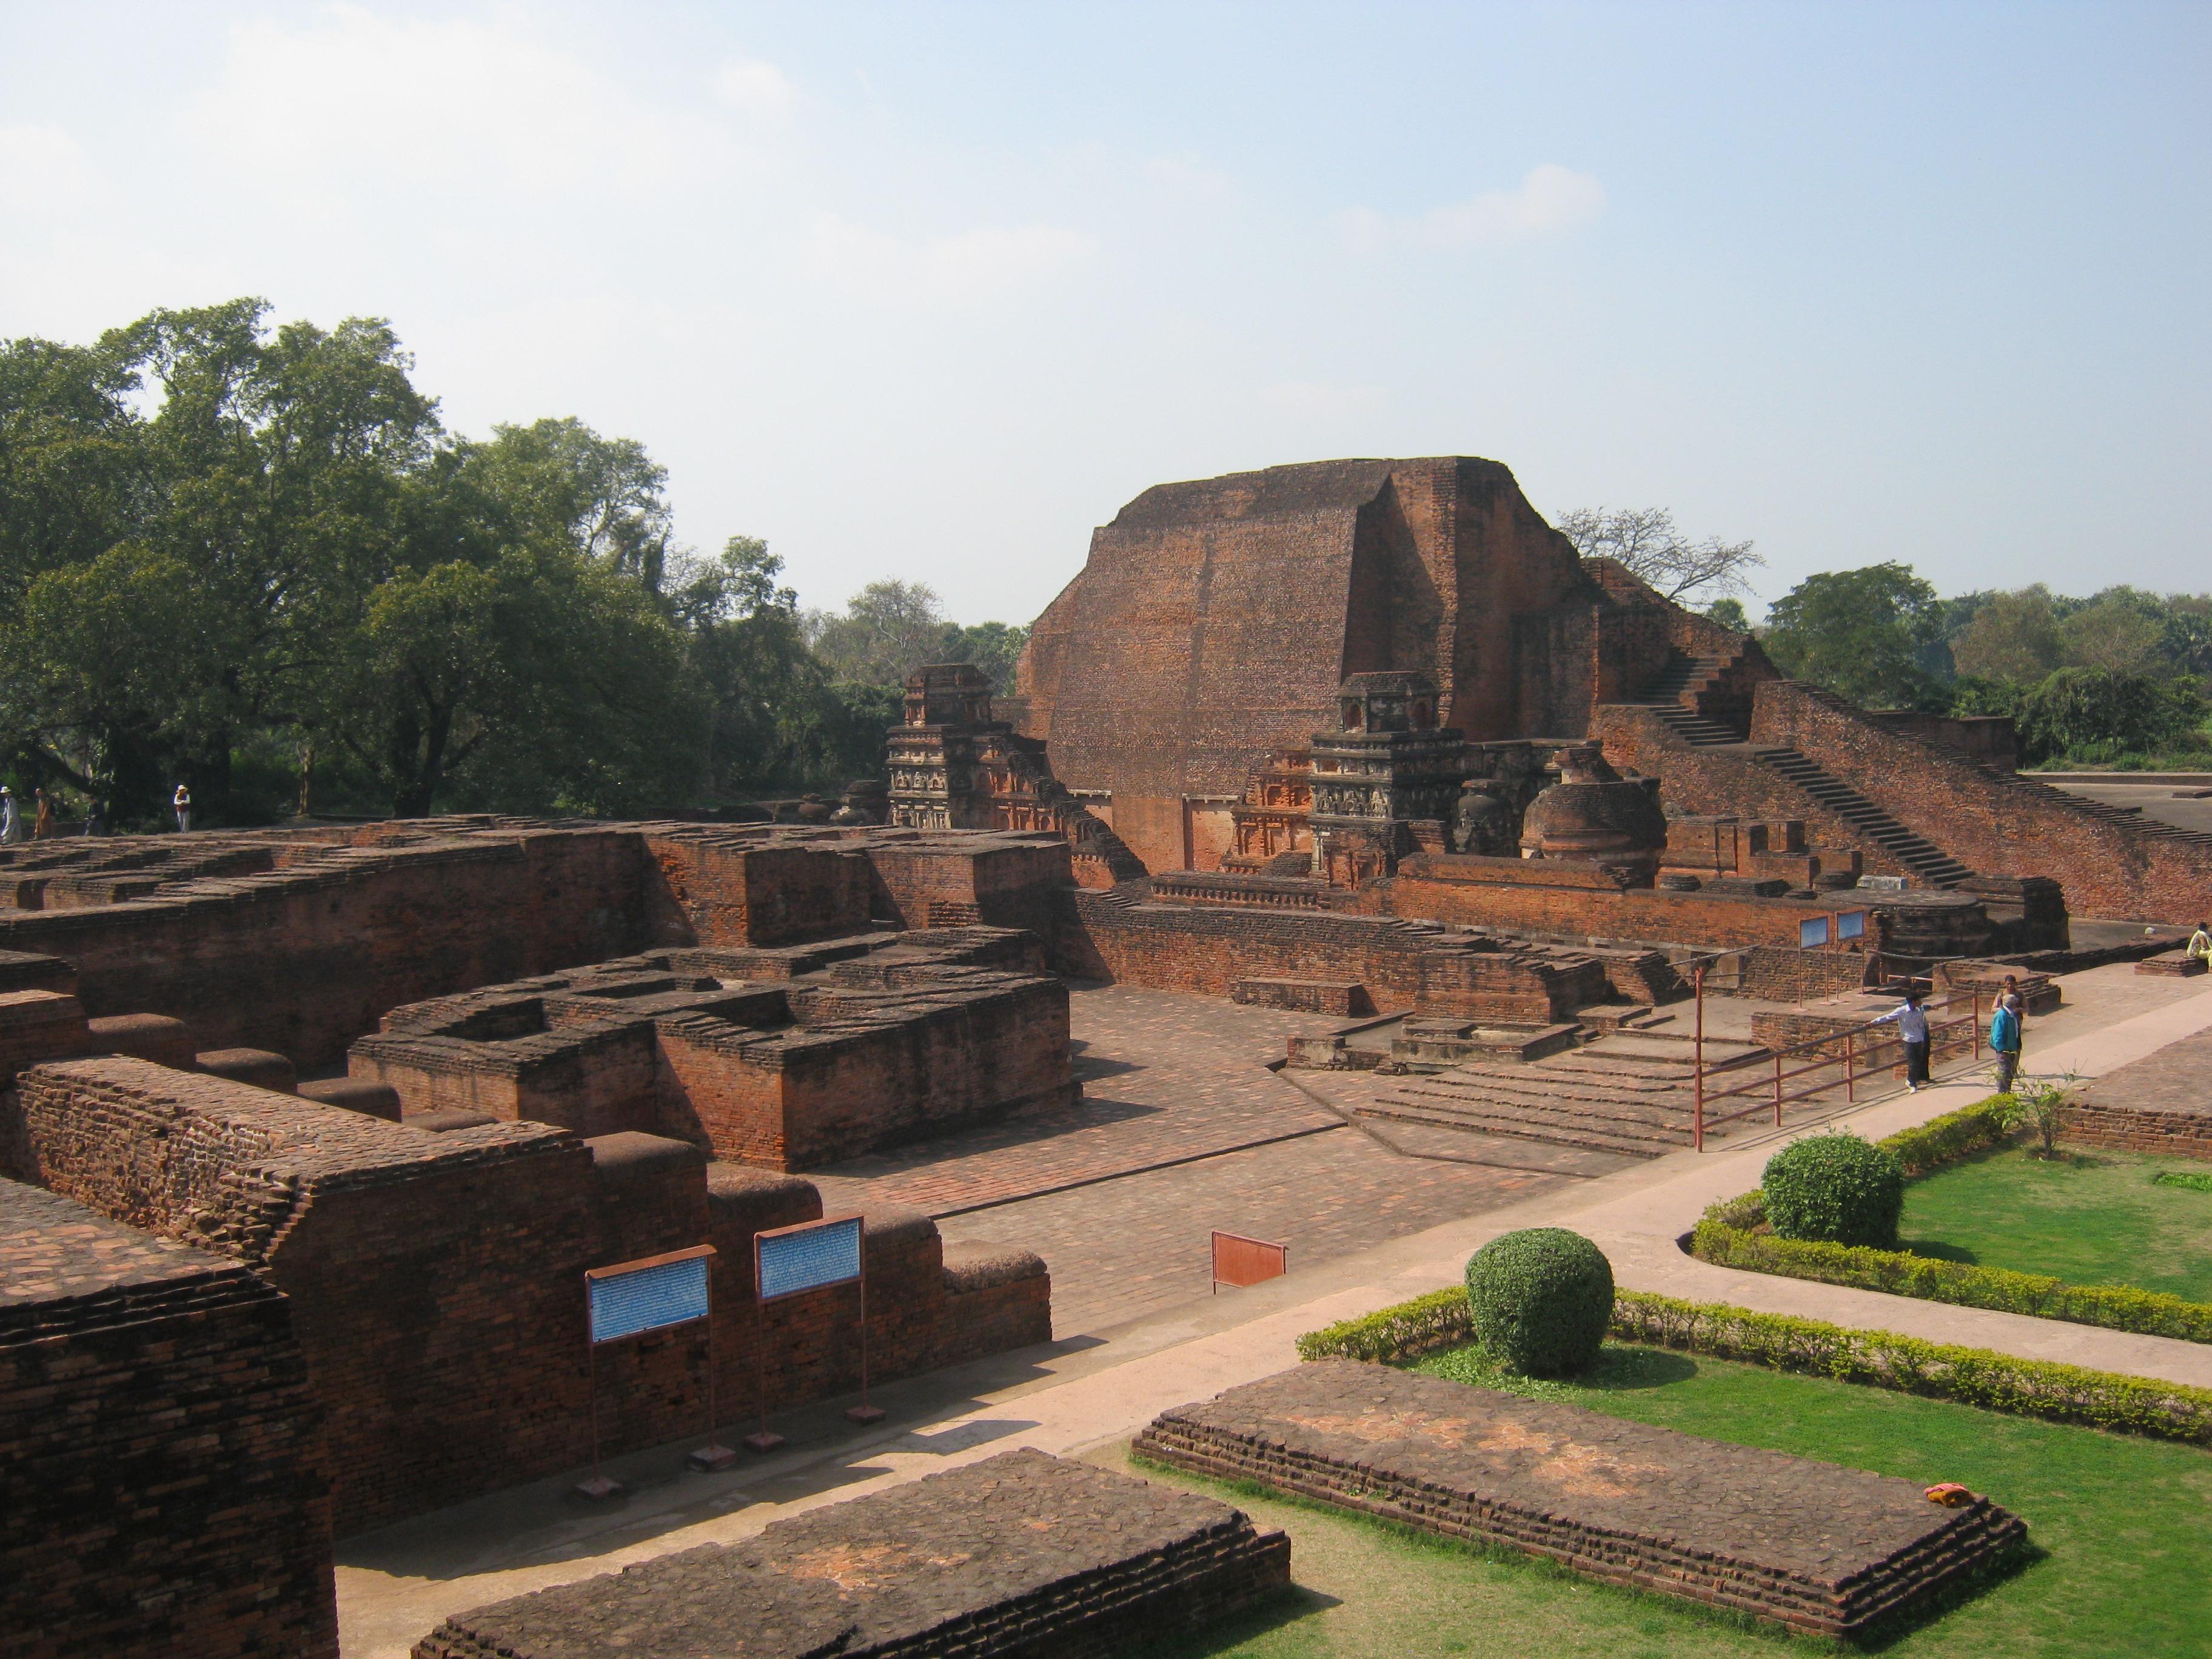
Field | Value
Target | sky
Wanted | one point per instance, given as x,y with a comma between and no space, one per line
931,290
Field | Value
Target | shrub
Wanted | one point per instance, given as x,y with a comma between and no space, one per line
1948,1139
1837,1188
2040,1103
1439,1320
1539,1299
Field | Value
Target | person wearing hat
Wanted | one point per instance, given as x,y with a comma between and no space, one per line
182,800
10,830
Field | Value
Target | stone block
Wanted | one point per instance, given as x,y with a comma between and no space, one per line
1019,1554
1806,1545
155,1037
356,1095
261,1068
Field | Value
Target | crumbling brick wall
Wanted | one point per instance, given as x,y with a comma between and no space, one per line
162,1491
437,1280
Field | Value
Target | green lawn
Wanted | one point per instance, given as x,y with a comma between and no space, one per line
2118,1524
2087,1218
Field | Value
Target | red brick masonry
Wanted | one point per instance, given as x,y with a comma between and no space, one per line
1806,1545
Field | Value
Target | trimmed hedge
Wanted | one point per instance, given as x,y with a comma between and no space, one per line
1939,1370
1899,1273
1729,1236
1439,1320
1880,1360
1539,1299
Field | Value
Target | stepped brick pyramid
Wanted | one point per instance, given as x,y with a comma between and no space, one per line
1020,1554
1806,1545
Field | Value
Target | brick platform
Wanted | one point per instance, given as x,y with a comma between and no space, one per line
1808,1545
1021,1553
2158,1104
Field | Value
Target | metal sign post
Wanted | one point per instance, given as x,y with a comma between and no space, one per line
814,1255
653,1293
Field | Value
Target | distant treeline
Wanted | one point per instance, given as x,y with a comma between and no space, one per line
253,560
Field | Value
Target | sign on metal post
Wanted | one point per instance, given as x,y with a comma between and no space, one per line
814,1255
653,1293
1239,1261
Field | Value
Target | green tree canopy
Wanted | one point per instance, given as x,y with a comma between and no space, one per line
1861,634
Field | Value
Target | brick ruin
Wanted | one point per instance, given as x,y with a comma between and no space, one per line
1362,738
1179,686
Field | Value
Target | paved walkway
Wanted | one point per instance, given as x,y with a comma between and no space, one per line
395,1585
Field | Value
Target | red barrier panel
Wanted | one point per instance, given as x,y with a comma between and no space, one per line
1238,1261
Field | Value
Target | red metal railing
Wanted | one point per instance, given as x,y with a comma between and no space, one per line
1857,1043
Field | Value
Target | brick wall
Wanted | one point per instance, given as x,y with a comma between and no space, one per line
1996,822
437,1280
162,1492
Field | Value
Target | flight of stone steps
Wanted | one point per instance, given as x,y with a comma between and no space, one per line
1915,852
1629,1094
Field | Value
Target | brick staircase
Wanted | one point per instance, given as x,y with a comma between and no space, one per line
1630,1094
1926,860
1683,698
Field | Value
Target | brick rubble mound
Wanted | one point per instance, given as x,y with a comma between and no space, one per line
1806,1544
1018,1553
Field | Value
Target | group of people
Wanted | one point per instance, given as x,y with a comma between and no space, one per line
2006,1029
43,826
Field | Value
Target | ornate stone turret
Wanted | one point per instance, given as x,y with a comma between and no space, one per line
1595,816
931,752
1386,768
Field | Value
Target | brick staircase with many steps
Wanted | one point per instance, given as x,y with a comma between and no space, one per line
1630,1094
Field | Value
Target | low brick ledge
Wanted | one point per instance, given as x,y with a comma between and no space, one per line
1021,1553
1803,1544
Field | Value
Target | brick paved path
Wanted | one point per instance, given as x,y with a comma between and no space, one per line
1166,1079
1182,1131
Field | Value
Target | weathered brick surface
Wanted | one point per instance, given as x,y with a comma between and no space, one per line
1019,1554
854,1044
2158,1104
1808,1544
161,1493
437,1280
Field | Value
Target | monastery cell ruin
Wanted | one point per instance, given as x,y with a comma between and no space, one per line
310,1134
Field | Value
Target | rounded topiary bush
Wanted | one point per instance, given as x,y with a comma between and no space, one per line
1837,1188
1541,1300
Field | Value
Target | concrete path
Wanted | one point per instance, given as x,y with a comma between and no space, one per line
394,1585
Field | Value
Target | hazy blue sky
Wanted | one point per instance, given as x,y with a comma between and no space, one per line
933,289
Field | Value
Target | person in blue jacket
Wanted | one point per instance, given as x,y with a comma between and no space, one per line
2004,1041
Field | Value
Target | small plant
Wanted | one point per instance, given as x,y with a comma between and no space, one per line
1835,1188
2040,1103
2195,1180
1540,1300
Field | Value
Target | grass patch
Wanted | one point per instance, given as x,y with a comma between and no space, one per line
2088,1218
2194,1181
2117,1521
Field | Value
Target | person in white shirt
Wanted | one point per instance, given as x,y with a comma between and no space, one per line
1911,1021
2200,942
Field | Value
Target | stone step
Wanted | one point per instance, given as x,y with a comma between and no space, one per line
1589,1134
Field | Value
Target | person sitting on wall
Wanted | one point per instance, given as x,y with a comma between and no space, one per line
1912,1020
2200,944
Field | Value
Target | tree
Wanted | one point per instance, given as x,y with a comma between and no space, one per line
888,629
1730,614
2116,632
1860,633
993,647
1646,540
2013,636
2095,709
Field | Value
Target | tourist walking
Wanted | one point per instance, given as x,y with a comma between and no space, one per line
2200,942
182,800
10,829
2004,1039
96,818
1912,1022
42,821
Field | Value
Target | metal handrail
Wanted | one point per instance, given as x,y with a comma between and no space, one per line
1849,1037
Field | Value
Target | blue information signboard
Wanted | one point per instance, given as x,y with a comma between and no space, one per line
627,1301
810,1257
1851,924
